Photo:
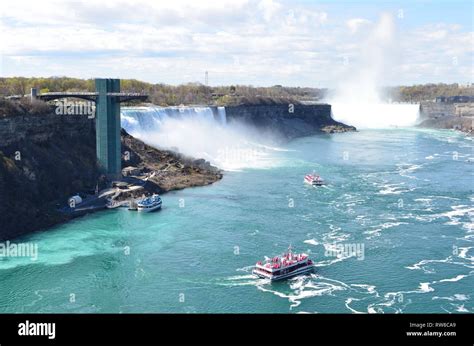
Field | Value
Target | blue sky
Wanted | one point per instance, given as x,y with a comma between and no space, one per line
257,42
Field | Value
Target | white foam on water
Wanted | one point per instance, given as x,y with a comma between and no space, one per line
348,302
426,201
241,277
304,287
456,214
459,215
335,235
468,237
449,260
392,189
245,269
311,242
421,264
377,231
391,298
461,308
330,262
369,288
444,197
397,301
369,291
243,280
454,297
463,251
378,308
455,308
405,169
425,287
455,279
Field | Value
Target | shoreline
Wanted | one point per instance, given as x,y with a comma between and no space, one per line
58,160
181,172
167,170
464,125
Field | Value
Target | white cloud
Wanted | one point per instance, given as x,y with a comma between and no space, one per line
274,41
355,23
269,8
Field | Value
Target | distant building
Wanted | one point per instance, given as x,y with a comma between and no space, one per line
455,99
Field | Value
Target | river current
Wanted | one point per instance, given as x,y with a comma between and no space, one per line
402,197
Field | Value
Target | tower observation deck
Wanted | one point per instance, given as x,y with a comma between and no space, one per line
107,98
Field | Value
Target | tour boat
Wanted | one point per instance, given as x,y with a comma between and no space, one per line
314,180
284,266
149,203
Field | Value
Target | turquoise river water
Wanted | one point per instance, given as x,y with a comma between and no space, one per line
403,197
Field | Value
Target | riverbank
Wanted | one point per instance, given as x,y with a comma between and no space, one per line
445,115
46,158
463,124
288,120
167,170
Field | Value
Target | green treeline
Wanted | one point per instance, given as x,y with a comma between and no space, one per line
425,92
196,93
163,94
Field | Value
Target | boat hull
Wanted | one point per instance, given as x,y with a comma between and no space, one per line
305,270
148,210
314,184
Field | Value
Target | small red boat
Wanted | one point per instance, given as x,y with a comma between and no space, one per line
314,180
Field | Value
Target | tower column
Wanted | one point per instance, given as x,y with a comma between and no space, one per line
108,144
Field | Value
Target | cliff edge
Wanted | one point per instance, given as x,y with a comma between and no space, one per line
46,158
288,120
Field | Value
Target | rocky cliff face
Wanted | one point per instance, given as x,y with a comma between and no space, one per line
445,115
172,171
429,110
463,124
290,121
44,159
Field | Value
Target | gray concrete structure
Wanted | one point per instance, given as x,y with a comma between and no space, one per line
107,98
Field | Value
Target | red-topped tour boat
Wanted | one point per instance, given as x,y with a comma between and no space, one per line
282,267
314,180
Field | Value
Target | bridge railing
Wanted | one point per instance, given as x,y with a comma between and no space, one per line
92,96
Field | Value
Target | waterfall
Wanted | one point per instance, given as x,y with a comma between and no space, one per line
201,132
222,115
139,119
376,115
358,99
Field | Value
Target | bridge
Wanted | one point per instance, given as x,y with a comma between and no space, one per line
107,98
90,96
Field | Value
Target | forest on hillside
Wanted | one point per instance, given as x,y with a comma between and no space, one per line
197,93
